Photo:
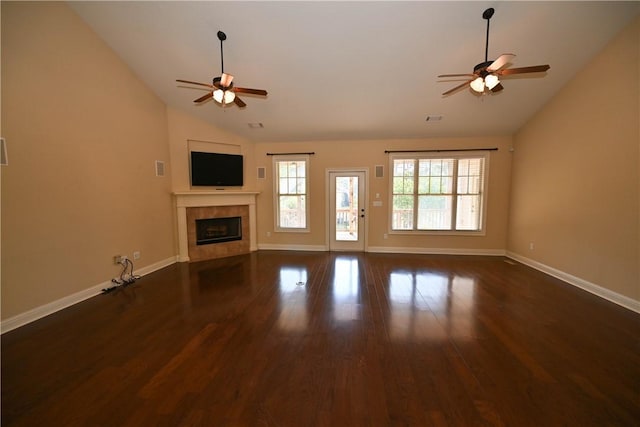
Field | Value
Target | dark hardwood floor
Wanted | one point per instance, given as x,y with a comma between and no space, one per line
329,339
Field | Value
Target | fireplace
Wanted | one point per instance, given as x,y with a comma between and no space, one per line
196,205
218,230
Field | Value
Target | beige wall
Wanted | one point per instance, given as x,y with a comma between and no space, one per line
368,154
187,132
83,134
575,190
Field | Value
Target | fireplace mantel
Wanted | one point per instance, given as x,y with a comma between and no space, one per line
189,199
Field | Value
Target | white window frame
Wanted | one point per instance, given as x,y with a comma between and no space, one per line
441,155
276,193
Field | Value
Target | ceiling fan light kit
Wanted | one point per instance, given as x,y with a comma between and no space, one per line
222,90
223,96
491,80
485,77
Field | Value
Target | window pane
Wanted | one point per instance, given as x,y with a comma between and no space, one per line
447,167
469,201
470,176
435,176
398,188
283,188
468,213
407,185
291,186
292,212
447,185
436,167
402,215
302,172
434,212
463,185
434,186
475,166
474,184
403,167
423,185
463,167
424,168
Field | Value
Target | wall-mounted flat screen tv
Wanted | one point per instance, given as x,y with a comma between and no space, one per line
216,170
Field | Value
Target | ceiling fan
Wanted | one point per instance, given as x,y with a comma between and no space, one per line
222,90
485,77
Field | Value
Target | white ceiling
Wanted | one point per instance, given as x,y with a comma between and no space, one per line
356,70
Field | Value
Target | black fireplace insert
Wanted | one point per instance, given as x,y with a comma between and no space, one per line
218,230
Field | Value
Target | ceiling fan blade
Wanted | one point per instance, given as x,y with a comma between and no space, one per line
497,88
204,97
450,91
502,60
194,83
533,69
226,79
260,92
239,102
456,75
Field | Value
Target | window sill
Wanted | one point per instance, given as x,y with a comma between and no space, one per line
292,230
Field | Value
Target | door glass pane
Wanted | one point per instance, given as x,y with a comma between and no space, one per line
346,208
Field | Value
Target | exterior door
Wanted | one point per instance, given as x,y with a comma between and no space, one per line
347,210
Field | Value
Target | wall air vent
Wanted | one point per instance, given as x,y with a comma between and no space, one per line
4,160
159,168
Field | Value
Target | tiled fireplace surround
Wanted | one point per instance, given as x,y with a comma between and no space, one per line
194,205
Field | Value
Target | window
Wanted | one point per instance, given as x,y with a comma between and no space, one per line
443,193
292,188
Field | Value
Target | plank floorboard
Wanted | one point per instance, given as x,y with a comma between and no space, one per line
278,338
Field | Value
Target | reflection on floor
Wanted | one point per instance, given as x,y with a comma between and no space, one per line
279,338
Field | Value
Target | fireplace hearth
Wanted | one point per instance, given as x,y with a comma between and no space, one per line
218,230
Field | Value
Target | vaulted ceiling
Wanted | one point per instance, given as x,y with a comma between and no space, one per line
356,70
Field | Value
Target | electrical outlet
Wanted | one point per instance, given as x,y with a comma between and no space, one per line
531,246
117,259
136,255
268,234
385,236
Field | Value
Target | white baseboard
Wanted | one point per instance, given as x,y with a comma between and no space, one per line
435,251
50,308
605,293
388,250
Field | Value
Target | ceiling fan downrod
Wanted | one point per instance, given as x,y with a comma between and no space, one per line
222,37
487,14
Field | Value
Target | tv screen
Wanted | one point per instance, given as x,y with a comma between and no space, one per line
216,169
